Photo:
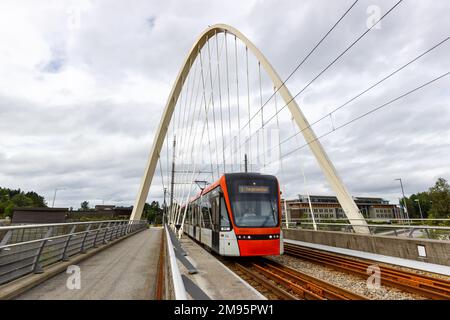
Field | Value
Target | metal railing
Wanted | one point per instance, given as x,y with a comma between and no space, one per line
177,281
437,229
26,249
182,285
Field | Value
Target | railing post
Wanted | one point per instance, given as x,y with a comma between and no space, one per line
124,228
65,257
82,250
118,225
113,231
6,238
96,235
37,268
106,232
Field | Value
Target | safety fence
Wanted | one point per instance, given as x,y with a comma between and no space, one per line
437,229
181,284
26,249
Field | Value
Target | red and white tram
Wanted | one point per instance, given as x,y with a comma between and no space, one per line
238,215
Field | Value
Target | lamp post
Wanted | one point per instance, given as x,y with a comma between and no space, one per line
420,208
310,209
54,195
405,207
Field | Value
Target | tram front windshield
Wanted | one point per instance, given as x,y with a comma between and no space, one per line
254,202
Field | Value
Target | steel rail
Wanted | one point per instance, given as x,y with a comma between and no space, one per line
264,282
322,288
301,285
430,287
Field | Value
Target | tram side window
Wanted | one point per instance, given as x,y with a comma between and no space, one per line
188,216
206,212
194,215
197,213
215,212
224,221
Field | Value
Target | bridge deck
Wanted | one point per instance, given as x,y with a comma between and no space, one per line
127,270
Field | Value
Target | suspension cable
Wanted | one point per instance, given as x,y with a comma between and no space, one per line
248,109
228,95
370,112
237,101
391,74
220,102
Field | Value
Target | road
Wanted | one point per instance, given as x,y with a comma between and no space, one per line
126,270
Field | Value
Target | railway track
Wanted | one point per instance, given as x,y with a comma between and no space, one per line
423,285
277,281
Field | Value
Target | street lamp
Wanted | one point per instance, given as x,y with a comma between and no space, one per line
405,207
311,210
54,195
420,208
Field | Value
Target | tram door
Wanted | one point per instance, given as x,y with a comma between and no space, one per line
215,208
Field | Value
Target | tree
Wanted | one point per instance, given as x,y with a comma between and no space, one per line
425,204
16,198
153,212
21,200
84,206
38,201
440,197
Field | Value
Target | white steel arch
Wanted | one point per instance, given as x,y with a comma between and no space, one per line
345,199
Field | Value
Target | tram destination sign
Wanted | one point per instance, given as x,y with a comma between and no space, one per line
253,189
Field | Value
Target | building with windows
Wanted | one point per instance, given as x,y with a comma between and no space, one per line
328,207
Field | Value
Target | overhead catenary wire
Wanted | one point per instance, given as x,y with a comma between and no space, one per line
371,87
369,112
305,58
330,64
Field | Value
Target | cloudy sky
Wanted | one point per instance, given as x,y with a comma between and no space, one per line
83,85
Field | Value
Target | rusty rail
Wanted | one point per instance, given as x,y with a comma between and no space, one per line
423,285
287,283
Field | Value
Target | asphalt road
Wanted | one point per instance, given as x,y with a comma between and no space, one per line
126,270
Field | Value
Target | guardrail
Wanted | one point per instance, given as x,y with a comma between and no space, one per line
392,227
26,249
181,284
177,281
